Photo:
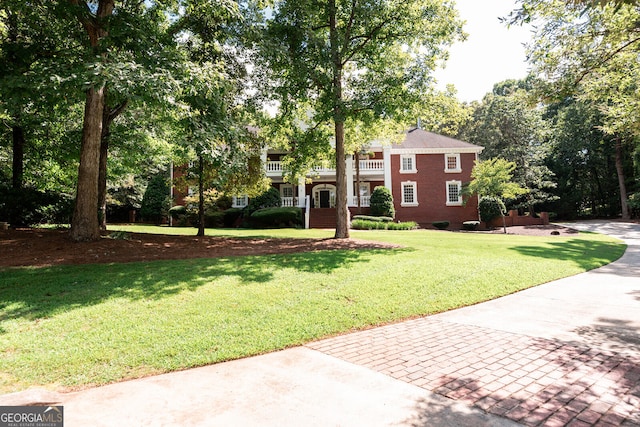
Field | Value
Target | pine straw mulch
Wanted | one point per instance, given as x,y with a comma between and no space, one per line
43,247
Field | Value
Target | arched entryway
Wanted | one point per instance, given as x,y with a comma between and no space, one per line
324,196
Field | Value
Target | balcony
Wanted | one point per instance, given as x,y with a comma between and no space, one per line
274,167
372,165
364,201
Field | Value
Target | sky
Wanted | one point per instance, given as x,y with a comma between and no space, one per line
492,52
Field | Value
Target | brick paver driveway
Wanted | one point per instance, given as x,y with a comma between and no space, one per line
565,353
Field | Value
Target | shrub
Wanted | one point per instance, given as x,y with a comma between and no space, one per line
177,211
490,208
156,200
363,224
373,218
407,225
440,225
179,214
470,225
29,206
277,217
268,199
214,219
381,202
231,216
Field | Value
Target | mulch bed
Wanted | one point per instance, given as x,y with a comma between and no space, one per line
40,247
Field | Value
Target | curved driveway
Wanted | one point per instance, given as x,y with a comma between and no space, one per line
564,353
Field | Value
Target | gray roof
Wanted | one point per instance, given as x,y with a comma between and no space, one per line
418,138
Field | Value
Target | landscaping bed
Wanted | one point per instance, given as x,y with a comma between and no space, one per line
42,247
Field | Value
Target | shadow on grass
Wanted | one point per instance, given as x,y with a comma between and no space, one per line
30,293
586,254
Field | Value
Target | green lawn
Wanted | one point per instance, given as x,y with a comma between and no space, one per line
75,326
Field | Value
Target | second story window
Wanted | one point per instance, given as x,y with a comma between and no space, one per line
408,163
452,163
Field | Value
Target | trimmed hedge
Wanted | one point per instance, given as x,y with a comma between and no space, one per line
231,215
440,225
470,225
381,202
277,217
269,199
362,224
373,218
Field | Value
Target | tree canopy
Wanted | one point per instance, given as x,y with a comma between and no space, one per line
330,62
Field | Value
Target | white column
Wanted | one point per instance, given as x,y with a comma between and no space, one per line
350,179
302,193
263,158
386,155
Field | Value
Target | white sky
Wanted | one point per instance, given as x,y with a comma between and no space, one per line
491,53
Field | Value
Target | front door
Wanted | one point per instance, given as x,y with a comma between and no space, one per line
325,196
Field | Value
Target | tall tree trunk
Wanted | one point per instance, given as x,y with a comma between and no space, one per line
84,225
200,196
108,116
621,184
342,210
357,157
17,134
102,176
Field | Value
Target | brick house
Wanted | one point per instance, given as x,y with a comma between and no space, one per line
425,174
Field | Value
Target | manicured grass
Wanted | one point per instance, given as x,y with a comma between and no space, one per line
75,326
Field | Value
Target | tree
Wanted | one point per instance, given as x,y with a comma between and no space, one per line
213,120
507,125
492,178
335,60
589,50
155,201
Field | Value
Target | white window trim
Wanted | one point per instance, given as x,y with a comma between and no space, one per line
415,193
458,169
240,201
287,186
459,202
413,163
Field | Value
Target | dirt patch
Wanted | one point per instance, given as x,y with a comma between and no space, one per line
37,247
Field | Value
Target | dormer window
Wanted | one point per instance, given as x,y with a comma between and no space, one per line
452,163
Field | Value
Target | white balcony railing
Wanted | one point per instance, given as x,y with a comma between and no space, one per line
373,165
289,202
274,166
364,201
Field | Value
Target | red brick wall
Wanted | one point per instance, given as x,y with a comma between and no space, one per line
431,191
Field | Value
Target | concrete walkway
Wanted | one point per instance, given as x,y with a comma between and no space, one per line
565,353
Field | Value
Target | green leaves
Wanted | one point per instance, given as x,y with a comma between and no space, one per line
493,178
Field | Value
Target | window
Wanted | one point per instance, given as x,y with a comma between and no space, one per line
452,163
240,201
408,163
286,190
409,194
454,193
